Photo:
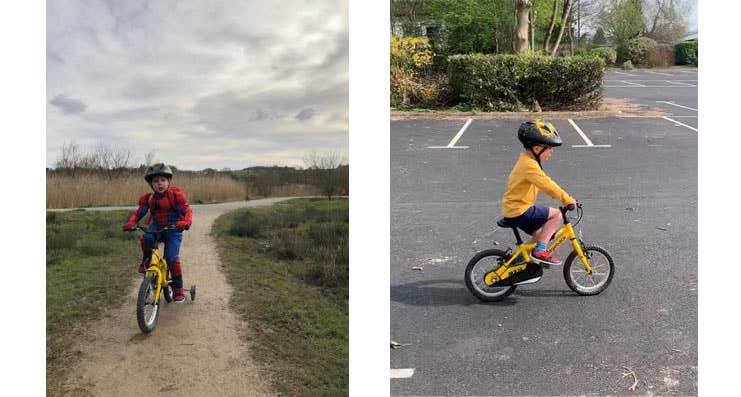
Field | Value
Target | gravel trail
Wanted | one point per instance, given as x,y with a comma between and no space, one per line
196,348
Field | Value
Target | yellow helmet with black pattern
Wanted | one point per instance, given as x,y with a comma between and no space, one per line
157,169
537,132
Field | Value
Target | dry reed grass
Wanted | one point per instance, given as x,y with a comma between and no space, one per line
91,189
287,190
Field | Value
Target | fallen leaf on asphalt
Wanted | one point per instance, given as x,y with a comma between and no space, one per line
629,209
416,267
662,228
396,345
635,378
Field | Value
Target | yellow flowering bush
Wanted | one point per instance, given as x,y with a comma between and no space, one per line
411,58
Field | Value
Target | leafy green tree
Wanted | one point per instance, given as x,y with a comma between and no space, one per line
473,26
599,37
623,21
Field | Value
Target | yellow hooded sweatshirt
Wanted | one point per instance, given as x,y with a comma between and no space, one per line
523,184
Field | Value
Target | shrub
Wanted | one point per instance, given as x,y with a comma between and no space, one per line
627,65
608,54
512,82
246,224
410,56
661,56
686,53
639,51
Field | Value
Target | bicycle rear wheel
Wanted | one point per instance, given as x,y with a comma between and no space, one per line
147,307
478,267
583,283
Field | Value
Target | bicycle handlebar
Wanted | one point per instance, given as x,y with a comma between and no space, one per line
145,230
570,207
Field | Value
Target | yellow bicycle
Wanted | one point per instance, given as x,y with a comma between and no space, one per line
494,274
156,282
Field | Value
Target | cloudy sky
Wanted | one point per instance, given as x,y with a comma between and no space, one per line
201,83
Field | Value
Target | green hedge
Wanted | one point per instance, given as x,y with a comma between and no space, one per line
608,54
640,51
686,53
513,83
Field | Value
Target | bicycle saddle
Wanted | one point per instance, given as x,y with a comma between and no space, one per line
504,222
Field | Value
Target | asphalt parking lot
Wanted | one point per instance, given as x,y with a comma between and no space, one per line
637,179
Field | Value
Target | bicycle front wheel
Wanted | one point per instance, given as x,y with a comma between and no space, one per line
147,307
478,267
583,283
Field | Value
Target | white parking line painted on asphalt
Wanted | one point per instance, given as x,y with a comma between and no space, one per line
650,71
460,132
679,82
402,373
636,116
649,86
455,139
674,104
682,124
627,74
584,136
629,82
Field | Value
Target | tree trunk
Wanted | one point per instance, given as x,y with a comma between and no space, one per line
571,33
564,18
551,26
532,30
522,8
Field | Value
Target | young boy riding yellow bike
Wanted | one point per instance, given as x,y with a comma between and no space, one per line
526,180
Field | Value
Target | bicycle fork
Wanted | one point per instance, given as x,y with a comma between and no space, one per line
567,232
154,268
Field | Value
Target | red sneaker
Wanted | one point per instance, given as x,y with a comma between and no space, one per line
143,267
178,295
545,257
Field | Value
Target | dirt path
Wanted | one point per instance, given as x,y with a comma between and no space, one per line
196,347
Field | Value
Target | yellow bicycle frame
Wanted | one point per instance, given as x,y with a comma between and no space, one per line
524,249
158,266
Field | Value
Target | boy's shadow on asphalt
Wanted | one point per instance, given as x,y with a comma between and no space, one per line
453,292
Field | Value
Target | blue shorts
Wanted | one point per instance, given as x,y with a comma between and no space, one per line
532,219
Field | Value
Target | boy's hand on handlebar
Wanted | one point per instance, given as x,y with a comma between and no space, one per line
129,226
182,225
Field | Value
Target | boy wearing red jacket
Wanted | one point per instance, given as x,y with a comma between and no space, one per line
167,205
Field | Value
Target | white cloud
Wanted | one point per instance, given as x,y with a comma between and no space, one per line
208,84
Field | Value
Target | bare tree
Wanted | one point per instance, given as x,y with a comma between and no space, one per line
69,157
665,20
564,19
326,167
551,25
149,158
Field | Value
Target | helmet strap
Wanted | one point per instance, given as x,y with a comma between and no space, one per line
537,156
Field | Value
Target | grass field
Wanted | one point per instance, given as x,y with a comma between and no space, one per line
85,273
289,267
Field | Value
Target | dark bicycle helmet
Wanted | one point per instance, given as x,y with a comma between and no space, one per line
157,169
537,132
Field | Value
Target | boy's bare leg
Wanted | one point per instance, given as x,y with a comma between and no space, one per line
550,226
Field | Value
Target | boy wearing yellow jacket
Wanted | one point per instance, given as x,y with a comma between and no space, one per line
526,180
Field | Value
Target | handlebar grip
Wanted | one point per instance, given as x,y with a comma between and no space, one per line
569,207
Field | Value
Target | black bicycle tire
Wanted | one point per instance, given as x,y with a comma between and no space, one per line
570,260
141,303
469,283
167,292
